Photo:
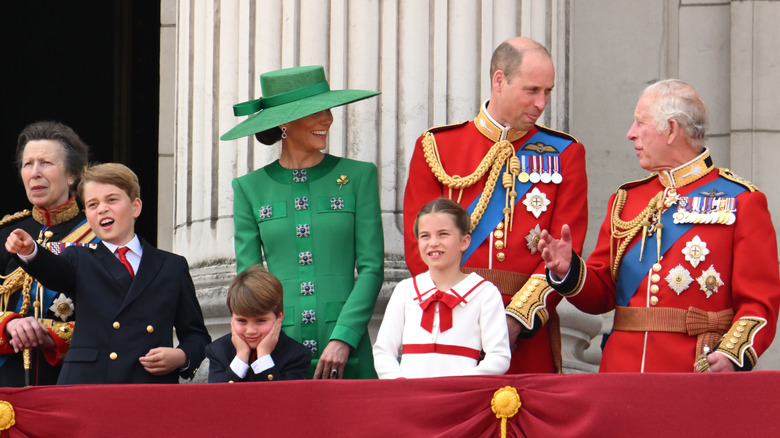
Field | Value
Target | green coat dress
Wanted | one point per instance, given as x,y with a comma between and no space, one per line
316,226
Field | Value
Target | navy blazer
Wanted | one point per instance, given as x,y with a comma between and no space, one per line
120,318
291,361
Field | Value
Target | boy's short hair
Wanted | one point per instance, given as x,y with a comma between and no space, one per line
255,291
111,173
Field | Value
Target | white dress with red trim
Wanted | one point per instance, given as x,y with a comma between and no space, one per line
442,333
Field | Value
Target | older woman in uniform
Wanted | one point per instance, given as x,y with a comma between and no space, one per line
36,322
315,219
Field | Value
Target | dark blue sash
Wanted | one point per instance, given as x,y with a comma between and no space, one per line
632,273
494,213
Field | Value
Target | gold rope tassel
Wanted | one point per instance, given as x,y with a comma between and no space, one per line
507,181
505,404
514,168
43,237
495,160
624,231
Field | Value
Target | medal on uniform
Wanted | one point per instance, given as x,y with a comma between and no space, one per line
535,177
679,279
546,173
706,210
709,281
523,176
532,239
695,251
62,307
557,178
536,202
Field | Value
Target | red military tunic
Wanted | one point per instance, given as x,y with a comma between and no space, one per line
721,257
509,246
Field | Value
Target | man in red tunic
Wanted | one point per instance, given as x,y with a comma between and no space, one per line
515,178
687,257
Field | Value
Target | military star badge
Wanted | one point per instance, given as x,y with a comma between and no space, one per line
695,251
679,279
710,281
62,307
532,238
536,202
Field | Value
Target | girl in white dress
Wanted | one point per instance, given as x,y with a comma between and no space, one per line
443,320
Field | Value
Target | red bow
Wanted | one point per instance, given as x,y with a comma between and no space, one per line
445,312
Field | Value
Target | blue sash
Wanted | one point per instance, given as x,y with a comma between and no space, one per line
631,274
494,213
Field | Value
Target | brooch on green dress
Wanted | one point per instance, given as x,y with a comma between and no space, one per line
341,181
299,175
266,212
301,203
312,344
304,258
303,230
307,317
307,288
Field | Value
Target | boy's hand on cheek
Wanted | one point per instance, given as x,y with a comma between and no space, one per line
268,343
242,348
163,360
19,242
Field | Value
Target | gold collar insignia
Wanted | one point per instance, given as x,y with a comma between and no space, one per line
57,215
688,172
493,130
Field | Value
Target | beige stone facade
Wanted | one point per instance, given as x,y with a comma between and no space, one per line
430,60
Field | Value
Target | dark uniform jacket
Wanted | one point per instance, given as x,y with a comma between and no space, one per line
63,222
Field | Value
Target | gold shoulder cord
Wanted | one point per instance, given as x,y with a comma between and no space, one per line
11,217
627,230
499,155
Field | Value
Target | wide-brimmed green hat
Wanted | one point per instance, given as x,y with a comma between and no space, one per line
288,95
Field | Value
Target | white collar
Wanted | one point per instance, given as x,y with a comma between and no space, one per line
134,245
466,289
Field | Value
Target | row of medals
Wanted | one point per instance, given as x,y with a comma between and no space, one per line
539,171
698,210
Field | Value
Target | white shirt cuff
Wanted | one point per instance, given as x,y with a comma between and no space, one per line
239,367
556,281
27,258
262,363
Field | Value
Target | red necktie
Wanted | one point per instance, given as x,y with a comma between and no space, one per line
123,259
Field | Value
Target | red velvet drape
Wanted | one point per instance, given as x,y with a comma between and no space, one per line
584,405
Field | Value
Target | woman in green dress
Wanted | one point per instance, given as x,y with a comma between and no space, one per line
314,218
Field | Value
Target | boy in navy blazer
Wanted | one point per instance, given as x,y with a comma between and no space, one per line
256,348
130,294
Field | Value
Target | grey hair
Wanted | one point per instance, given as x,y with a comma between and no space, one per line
677,100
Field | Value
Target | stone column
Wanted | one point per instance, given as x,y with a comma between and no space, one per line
755,111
